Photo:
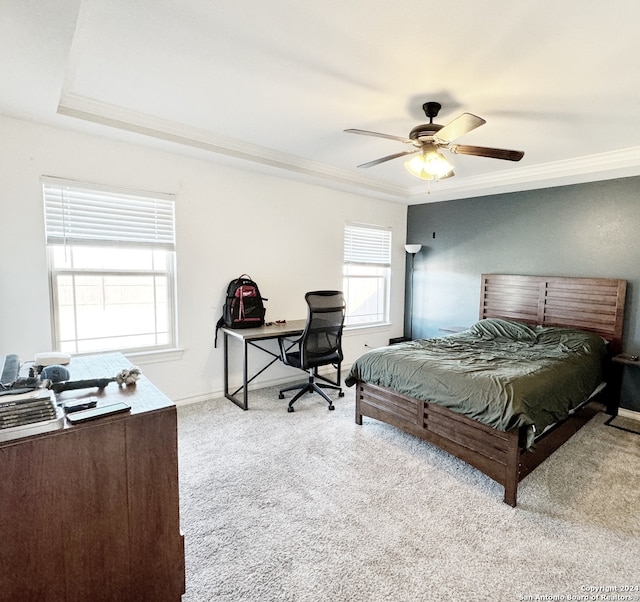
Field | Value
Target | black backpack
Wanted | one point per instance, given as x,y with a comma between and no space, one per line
243,306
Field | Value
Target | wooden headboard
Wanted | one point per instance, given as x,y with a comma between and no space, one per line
593,304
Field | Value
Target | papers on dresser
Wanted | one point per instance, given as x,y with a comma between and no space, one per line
29,413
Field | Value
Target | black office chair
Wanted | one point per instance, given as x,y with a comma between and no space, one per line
319,345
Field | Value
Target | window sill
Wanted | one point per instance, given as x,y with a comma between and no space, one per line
368,327
141,358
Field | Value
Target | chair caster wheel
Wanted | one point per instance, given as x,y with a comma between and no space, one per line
280,396
289,409
341,394
331,407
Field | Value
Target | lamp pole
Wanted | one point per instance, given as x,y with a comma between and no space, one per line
412,249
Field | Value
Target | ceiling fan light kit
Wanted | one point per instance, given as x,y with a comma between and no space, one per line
428,138
429,165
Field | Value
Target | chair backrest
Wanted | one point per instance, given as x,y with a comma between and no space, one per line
321,342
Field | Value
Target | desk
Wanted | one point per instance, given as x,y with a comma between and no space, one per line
252,337
91,511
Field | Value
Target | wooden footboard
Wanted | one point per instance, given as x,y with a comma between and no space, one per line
500,455
495,453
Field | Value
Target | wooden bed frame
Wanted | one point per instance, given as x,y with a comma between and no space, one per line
593,304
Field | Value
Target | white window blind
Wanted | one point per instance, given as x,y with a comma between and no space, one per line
76,215
367,245
366,274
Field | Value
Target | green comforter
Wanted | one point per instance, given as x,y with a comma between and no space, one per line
502,373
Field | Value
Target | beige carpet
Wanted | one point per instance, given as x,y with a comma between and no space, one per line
311,507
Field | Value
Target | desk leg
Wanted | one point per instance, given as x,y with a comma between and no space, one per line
245,370
244,404
226,365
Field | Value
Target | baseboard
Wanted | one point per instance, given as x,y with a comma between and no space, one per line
629,414
183,401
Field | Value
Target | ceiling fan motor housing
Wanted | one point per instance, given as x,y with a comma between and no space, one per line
424,132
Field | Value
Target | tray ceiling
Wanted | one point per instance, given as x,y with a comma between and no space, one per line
271,86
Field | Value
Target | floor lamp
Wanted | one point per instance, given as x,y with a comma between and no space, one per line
412,250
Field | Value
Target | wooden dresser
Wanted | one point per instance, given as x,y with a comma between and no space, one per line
91,511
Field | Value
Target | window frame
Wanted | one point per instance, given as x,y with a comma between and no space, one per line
148,235
362,248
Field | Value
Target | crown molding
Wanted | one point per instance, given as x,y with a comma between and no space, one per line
614,164
87,109
604,166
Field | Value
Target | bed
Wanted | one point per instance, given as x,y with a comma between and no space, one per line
509,421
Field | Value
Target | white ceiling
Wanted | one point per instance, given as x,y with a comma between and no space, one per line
272,85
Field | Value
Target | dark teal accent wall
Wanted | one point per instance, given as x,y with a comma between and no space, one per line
590,230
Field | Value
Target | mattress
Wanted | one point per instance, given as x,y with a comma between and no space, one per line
502,373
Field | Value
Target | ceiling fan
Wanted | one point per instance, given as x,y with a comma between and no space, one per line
427,138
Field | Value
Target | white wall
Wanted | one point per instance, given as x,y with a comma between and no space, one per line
287,235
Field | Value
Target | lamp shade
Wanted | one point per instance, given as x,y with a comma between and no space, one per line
429,165
412,249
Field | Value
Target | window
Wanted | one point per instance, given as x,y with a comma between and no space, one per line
111,268
367,272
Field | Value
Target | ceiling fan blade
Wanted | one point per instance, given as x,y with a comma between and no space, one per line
483,151
458,127
388,158
378,135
